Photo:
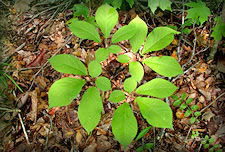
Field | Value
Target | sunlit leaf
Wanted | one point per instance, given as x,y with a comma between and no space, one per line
165,65
124,125
90,108
106,17
84,30
103,83
141,31
68,64
157,87
136,70
158,39
94,68
63,91
156,112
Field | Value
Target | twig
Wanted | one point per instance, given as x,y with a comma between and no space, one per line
212,102
24,130
181,36
42,67
20,47
9,110
186,137
203,50
185,71
193,51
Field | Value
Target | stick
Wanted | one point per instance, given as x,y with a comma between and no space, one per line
24,130
212,102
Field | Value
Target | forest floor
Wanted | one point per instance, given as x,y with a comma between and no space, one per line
28,124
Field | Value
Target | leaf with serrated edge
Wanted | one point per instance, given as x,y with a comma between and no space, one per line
66,63
101,54
158,39
84,30
124,33
103,83
116,96
136,71
156,112
141,31
63,91
114,49
164,65
157,87
106,17
199,11
124,125
129,85
90,108
94,68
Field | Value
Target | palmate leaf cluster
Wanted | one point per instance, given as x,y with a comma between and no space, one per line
156,112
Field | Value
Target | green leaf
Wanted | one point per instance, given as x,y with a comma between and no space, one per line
189,100
116,96
197,113
183,96
136,71
106,17
114,3
143,132
163,4
165,65
123,58
130,2
80,9
211,140
145,147
101,54
157,87
206,137
183,106
219,29
156,112
186,30
94,68
206,146
175,97
187,113
211,149
66,63
192,120
85,30
194,107
63,91
177,102
141,31
124,125
129,85
158,39
90,108
124,33
103,83
114,49
199,11
216,146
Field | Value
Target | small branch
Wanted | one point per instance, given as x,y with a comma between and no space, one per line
186,71
24,129
181,36
193,51
212,102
